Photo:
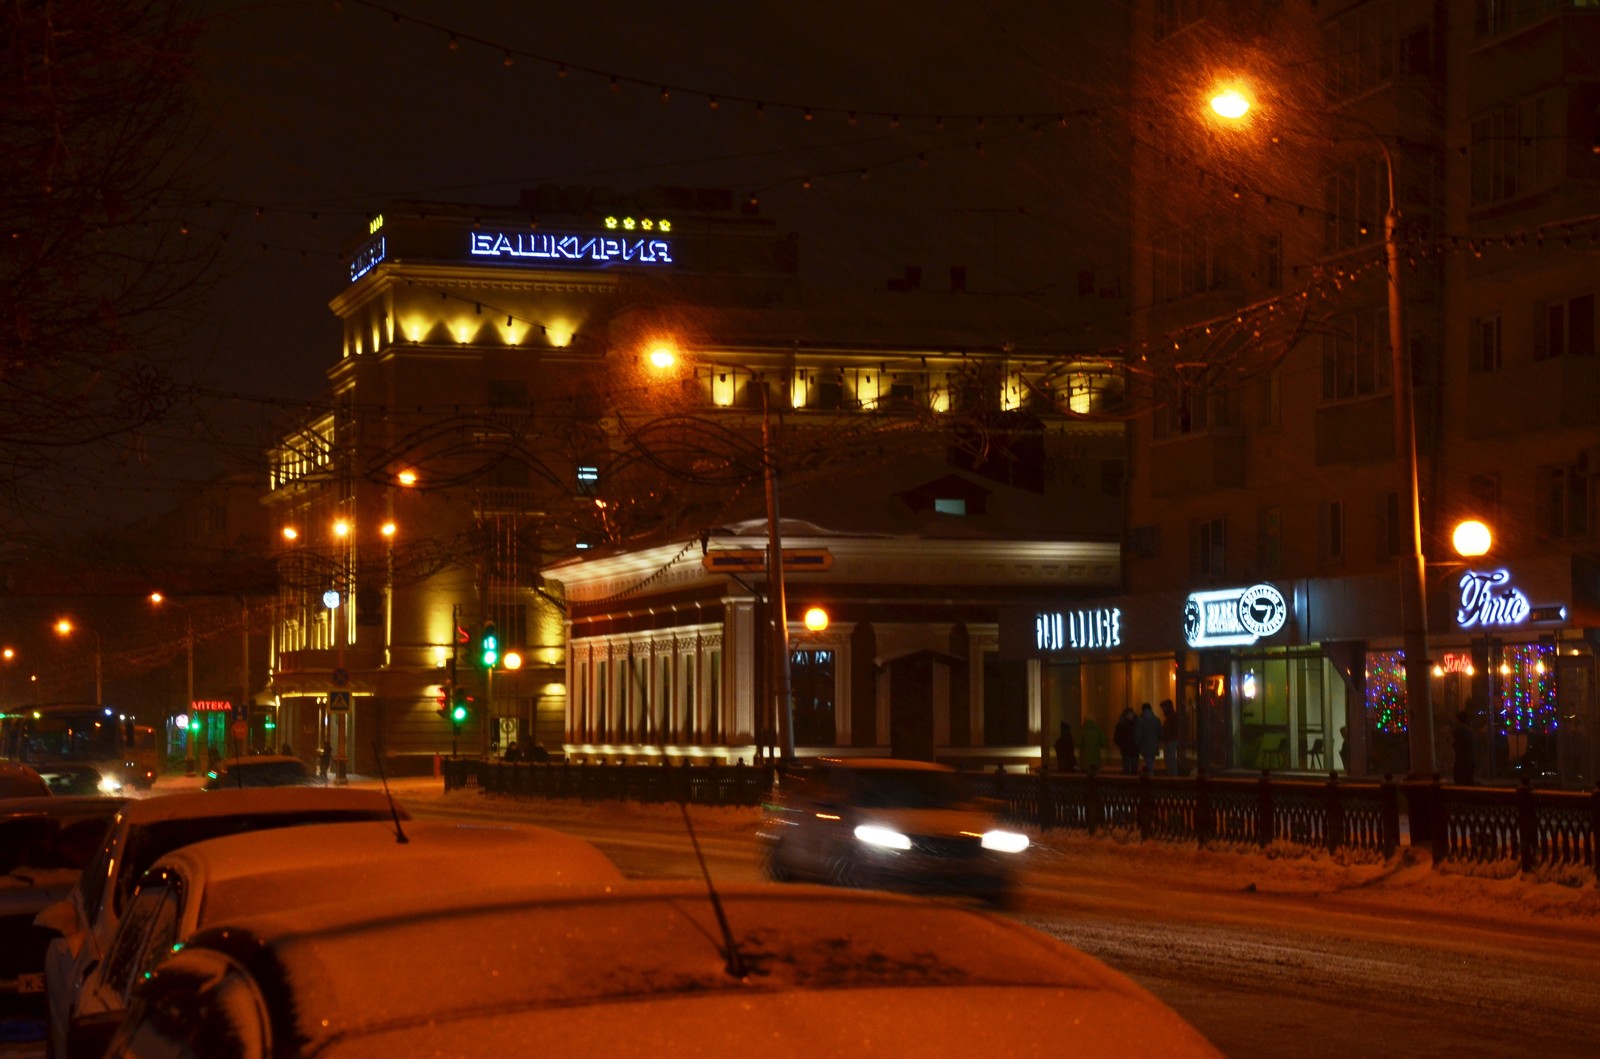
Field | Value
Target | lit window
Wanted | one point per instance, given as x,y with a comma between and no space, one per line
950,507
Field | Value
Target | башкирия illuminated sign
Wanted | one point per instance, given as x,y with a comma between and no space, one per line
367,257
1228,617
1488,600
567,249
1078,630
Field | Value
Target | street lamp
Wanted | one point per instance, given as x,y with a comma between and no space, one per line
65,628
663,357
1232,104
157,599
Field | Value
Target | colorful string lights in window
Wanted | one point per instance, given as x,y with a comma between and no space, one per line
1386,690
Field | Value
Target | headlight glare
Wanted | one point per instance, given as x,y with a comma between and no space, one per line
110,784
873,835
1005,841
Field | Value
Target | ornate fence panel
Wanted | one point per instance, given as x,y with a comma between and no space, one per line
1533,829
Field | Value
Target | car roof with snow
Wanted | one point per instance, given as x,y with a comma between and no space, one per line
823,972
230,802
247,873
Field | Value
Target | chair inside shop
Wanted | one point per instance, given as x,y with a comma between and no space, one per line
1270,753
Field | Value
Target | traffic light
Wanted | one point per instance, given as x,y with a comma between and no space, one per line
489,646
442,701
461,708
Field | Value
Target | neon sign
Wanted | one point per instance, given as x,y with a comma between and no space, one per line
644,224
368,257
210,705
1078,630
1489,600
1228,617
578,249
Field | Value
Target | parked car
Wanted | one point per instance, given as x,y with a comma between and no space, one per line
20,781
45,842
247,874
644,966
891,823
262,770
143,831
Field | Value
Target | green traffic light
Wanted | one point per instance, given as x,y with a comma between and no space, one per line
458,714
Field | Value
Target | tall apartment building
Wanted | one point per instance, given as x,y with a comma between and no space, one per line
1268,529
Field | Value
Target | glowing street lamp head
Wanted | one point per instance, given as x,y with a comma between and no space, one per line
157,598
662,357
341,528
290,533
407,478
1230,103
9,653
816,619
387,529
64,627
1471,538
511,660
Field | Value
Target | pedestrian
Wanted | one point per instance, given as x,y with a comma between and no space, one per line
513,753
1147,734
1091,744
324,760
1462,738
286,750
1127,739
1171,735
1066,753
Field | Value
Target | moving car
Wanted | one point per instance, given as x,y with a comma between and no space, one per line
891,823
45,841
256,872
262,770
800,971
142,831
78,779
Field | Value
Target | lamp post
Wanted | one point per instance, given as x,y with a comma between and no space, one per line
1233,105
64,628
158,599
778,722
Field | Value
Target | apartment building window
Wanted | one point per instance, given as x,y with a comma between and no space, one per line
1330,531
1355,355
1354,198
1187,261
1494,17
1565,502
1210,538
1173,15
1194,410
1391,530
812,689
1564,328
1144,542
1485,344
1269,539
1515,150
1269,259
1270,391
1359,49
1484,489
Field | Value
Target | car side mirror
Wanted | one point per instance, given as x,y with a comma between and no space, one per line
60,918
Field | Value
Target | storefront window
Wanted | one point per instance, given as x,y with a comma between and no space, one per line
1291,710
1386,718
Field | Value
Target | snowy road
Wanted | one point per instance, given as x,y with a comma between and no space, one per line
1267,957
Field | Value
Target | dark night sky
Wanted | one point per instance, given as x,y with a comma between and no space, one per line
324,112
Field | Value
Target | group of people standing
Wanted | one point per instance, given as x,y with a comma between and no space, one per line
1137,737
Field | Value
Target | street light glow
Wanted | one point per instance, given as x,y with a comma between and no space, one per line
290,533
64,627
1230,104
816,619
341,528
1471,538
407,478
662,357
387,529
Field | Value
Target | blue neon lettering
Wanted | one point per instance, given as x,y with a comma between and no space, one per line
600,250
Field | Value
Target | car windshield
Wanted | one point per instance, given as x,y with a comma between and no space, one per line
909,789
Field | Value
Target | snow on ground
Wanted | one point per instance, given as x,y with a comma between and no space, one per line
1409,882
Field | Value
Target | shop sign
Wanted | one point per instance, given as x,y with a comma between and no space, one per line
557,248
1093,629
1490,601
367,257
210,705
1230,617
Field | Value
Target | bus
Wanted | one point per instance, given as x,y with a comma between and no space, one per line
81,748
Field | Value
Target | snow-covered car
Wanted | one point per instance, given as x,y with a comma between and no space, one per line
891,823
145,830
19,781
268,871
650,967
45,842
263,770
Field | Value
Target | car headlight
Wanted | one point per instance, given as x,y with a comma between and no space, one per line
1005,841
873,835
110,784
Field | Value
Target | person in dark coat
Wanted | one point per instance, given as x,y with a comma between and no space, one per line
1147,733
1066,753
1462,740
1127,740
513,753
325,760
